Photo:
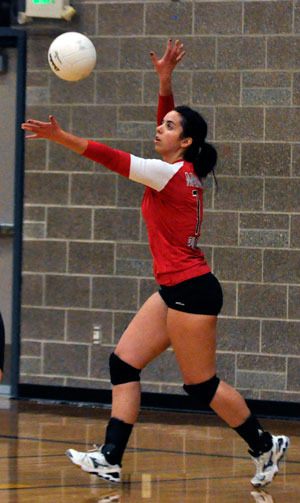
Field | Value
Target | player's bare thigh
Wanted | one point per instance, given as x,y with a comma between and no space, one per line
193,338
146,335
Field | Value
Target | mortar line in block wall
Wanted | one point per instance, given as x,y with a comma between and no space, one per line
294,17
213,197
113,329
240,159
65,343
257,229
115,261
42,357
88,207
241,90
219,351
92,237
291,89
69,190
79,308
91,292
253,353
204,244
181,71
255,318
262,372
53,376
286,371
122,276
180,35
287,300
243,19
217,141
117,193
109,173
214,121
96,23
43,289
266,53
66,326
193,18
145,21
89,361
47,157
286,379
143,102
86,308
292,161
67,257
95,81
46,222
29,221
153,104
260,336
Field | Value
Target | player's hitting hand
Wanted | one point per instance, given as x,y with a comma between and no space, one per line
47,130
172,56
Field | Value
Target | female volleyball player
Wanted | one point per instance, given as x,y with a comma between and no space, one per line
183,313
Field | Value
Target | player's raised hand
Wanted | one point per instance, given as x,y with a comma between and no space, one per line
165,65
47,130
52,131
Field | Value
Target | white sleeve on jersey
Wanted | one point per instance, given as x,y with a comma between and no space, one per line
153,173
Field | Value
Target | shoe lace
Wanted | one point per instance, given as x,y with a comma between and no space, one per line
96,448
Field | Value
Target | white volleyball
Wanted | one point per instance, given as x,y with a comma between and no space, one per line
72,56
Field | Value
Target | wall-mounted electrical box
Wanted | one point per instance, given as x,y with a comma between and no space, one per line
55,9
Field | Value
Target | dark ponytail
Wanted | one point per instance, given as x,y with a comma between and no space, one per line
202,154
205,161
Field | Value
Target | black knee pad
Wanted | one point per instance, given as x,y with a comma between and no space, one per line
121,372
205,391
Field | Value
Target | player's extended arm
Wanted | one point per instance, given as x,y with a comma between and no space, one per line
165,105
111,158
150,172
164,68
52,131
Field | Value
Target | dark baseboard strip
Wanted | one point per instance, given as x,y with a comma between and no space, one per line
160,401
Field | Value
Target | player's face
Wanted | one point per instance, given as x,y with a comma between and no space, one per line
168,140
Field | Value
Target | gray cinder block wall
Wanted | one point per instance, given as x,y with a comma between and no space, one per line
86,260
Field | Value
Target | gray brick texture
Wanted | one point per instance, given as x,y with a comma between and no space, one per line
87,268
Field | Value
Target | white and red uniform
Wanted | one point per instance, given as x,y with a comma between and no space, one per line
172,206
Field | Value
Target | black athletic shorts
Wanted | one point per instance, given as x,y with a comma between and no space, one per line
199,295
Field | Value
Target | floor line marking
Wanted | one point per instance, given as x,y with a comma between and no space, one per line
137,449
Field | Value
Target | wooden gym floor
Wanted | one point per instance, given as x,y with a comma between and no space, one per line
178,458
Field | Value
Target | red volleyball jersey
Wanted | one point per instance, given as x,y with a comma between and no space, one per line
172,206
